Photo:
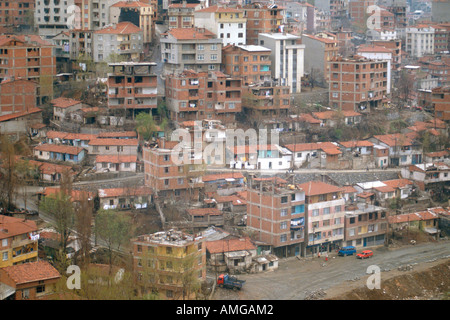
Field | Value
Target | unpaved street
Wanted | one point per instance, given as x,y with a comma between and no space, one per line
295,278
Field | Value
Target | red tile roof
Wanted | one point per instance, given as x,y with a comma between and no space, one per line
117,192
31,272
224,245
62,102
10,226
130,4
219,9
358,143
191,33
77,195
120,28
222,176
115,158
70,136
113,142
393,140
313,188
15,115
59,148
398,183
51,168
119,134
33,39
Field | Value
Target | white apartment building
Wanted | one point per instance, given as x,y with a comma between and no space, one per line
53,16
420,40
287,58
228,24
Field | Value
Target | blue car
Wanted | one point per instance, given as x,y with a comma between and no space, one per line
347,251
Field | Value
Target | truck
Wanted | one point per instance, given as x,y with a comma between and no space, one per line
229,282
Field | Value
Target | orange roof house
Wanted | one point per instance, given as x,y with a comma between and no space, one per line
31,280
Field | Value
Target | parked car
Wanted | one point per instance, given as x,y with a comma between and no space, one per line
365,254
347,251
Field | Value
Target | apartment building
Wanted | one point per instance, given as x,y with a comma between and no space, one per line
228,24
276,213
266,101
396,48
335,9
17,96
111,146
93,14
132,86
16,15
81,44
287,57
169,179
357,83
325,213
181,15
171,263
318,52
428,176
138,13
28,57
53,16
365,225
18,241
358,10
196,49
124,39
251,63
440,98
419,40
378,54
437,67
262,18
210,95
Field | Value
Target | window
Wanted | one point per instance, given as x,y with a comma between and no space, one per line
200,57
40,289
214,57
26,294
180,180
326,210
337,209
284,199
315,212
283,225
283,238
283,212
168,250
5,256
200,47
214,47
4,242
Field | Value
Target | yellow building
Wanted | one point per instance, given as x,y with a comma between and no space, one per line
18,242
169,263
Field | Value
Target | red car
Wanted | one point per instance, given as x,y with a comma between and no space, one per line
365,254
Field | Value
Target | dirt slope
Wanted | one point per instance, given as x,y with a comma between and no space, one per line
425,282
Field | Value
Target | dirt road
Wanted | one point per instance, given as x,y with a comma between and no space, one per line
296,279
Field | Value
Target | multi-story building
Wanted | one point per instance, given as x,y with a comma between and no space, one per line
262,19
16,15
18,241
325,214
365,225
196,49
53,16
31,58
276,212
132,86
318,52
93,14
139,13
251,63
181,15
266,101
124,39
357,10
287,57
357,83
171,263
17,96
440,98
336,9
172,179
441,38
419,40
403,150
437,67
194,95
81,44
396,48
228,24
378,54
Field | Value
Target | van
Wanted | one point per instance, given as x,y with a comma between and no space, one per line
347,251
